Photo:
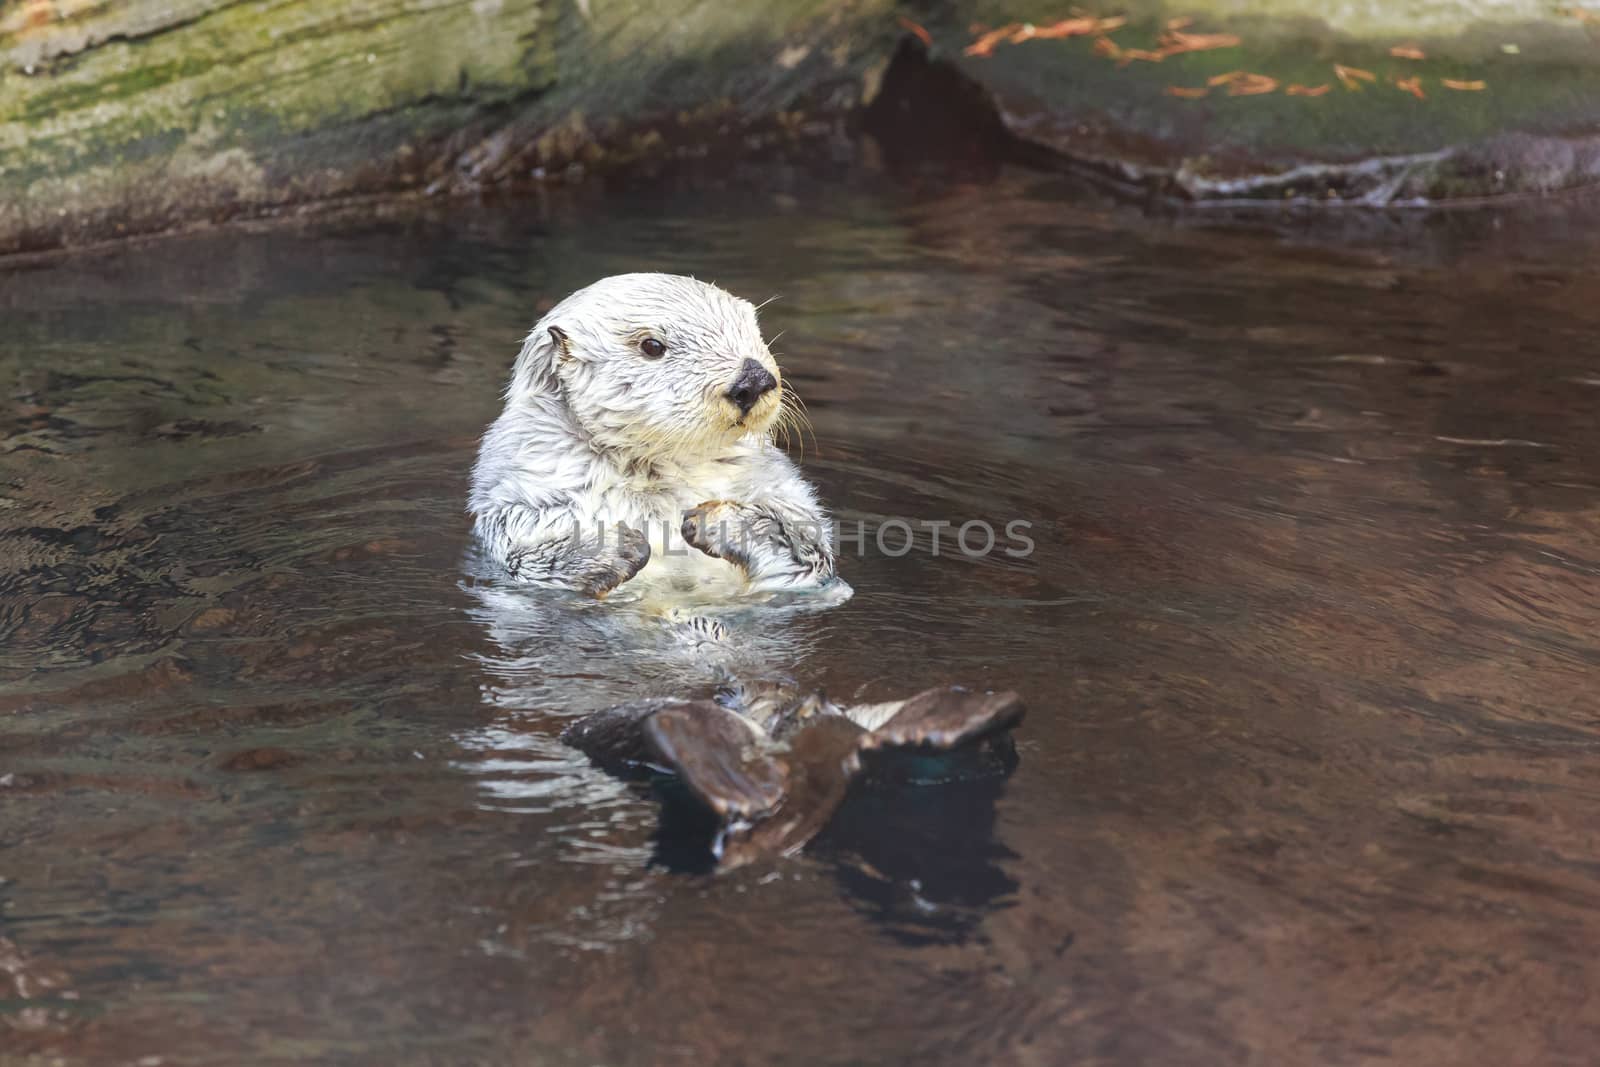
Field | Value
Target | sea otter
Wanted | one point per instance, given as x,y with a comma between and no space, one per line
637,439
638,432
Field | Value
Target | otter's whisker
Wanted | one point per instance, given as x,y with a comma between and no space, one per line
805,418
795,410
795,422
797,398
784,426
802,423
781,426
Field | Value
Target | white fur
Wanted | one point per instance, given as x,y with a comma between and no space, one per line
595,433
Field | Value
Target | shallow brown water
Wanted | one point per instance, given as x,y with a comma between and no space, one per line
1312,773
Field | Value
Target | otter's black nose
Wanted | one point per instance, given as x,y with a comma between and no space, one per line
753,383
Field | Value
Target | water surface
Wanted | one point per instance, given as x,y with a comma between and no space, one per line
1312,771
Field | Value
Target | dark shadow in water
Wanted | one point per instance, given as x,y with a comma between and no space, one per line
684,838
914,846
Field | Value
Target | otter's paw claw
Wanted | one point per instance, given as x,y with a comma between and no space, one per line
633,549
773,553
714,528
620,562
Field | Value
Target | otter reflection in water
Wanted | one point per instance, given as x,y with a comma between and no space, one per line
645,406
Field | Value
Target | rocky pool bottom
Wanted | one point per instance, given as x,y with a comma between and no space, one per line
1312,765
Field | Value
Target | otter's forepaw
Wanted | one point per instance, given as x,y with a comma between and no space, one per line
772,553
624,552
716,528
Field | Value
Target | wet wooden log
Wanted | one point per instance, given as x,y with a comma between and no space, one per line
130,116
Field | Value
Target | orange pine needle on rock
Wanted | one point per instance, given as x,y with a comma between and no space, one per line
1412,86
1464,87
1081,26
1173,44
1078,27
984,46
921,34
1128,55
1307,90
1243,83
1186,92
1105,46
1018,32
1407,51
1252,85
1352,77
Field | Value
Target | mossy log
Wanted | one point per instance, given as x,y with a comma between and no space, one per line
127,116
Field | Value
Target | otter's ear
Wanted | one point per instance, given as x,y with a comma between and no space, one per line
535,369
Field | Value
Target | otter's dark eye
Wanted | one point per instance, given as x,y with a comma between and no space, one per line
652,348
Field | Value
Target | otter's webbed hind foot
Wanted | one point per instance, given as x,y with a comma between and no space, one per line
774,777
718,755
769,800
614,738
939,718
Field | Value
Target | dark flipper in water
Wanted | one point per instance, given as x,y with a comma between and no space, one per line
947,718
774,784
718,756
614,738
821,760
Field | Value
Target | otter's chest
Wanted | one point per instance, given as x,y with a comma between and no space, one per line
655,505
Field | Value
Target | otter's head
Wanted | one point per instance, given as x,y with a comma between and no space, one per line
654,364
